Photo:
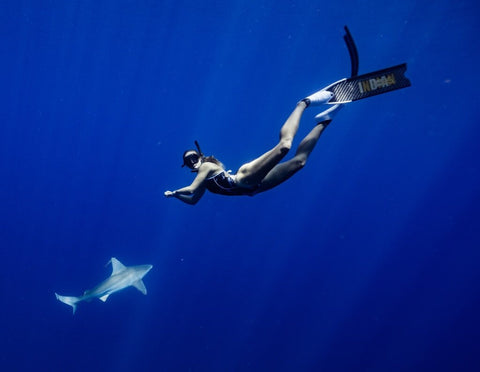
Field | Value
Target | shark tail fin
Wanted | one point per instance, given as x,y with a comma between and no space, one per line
69,300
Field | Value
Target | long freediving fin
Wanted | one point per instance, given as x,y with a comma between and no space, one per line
358,87
368,85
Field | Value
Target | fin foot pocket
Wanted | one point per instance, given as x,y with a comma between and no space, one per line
318,98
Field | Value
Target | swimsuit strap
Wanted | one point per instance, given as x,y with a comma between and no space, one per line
216,174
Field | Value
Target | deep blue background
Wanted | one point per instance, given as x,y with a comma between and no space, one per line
368,259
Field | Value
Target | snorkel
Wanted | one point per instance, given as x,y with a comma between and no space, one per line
199,149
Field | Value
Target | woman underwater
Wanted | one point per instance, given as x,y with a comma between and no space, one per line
266,171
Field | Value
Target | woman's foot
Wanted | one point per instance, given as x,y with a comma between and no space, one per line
328,114
318,98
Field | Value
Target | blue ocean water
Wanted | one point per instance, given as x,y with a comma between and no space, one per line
366,260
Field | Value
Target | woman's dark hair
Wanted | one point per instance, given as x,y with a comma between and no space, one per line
214,160
199,153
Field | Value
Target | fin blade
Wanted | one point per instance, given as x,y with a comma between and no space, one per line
369,85
352,50
104,298
140,286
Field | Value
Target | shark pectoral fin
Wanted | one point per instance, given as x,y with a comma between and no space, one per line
140,286
104,298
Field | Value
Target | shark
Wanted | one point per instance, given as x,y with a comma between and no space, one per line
122,277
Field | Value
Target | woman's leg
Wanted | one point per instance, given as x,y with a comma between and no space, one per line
284,171
252,173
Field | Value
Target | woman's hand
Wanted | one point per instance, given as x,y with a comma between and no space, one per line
169,194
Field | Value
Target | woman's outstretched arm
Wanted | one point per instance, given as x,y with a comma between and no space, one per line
193,193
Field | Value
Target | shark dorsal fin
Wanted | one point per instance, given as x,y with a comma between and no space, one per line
140,286
117,266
